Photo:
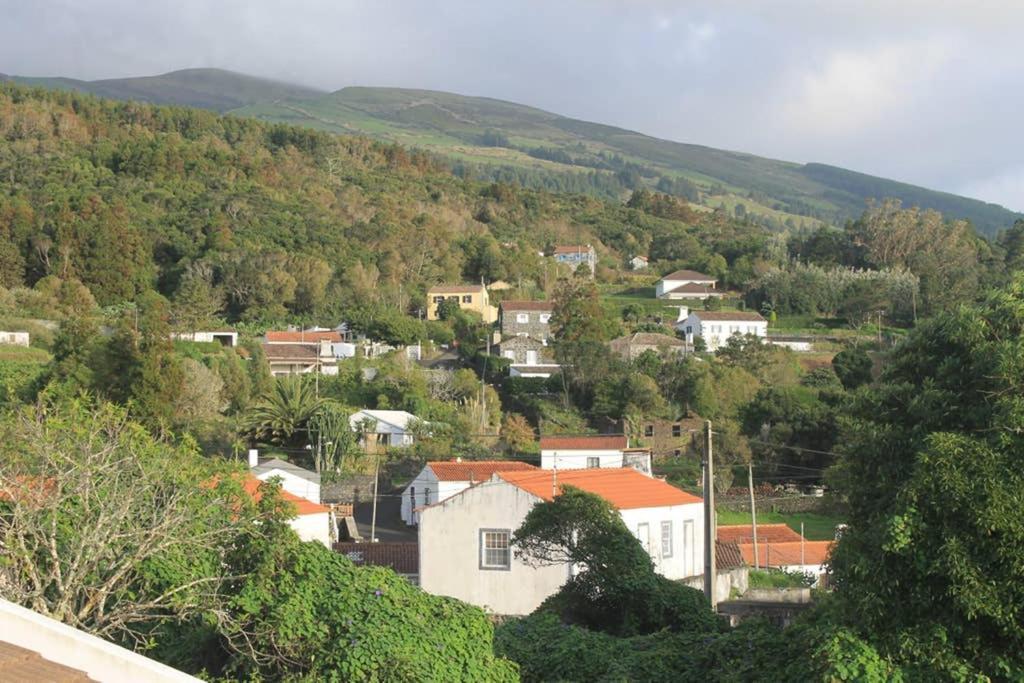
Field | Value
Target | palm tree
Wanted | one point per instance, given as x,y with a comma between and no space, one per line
282,416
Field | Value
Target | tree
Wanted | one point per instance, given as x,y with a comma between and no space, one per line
931,567
632,313
447,309
197,300
281,417
853,367
200,399
516,433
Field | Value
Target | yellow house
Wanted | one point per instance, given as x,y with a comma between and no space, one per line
470,297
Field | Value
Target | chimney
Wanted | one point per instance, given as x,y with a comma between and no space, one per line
458,459
254,457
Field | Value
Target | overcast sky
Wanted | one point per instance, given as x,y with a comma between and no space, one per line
925,91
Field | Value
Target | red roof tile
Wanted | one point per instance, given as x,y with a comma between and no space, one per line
303,337
455,289
786,554
474,470
583,443
689,275
20,664
625,488
527,306
766,533
571,249
728,555
296,352
402,557
303,507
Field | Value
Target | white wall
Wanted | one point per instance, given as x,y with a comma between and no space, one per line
449,540
577,460
687,557
315,527
303,488
716,333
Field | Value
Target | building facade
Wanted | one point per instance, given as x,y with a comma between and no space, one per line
525,318
441,480
686,284
582,452
631,346
715,327
575,255
473,298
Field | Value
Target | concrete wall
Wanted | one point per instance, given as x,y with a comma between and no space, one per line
303,488
449,538
315,527
687,552
577,460
737,579
426,481
716,333
60,643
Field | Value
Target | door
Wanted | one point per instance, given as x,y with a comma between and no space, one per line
643,532
689,560
531,357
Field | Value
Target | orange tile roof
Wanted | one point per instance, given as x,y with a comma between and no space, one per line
303,337
583,443
625,488
455,289
303,507
689,275
21,664
786,554
474,470
527,306
766,533
572,249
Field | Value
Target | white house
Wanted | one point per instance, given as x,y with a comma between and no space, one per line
465,541
14,338
807,557
387,428
638,263
583,452
441,480
222,337
686,284
294,479
312,521
543,371
715,327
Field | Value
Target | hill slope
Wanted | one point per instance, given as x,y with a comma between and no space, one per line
214,89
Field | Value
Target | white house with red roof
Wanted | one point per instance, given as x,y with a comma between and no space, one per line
591,451
465,540
715,327
312,521
686,284
441,480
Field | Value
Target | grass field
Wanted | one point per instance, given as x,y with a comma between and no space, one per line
817,527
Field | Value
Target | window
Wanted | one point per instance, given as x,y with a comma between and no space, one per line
544,318
412,498
666,539
467,298
593,462
522,317
438,299
648,430
689,329
643,532
733,329
677,430
494,549
426,496
677,452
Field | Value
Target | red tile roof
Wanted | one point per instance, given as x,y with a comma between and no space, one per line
474,470
583,443
402,557
527,306
20,664
303,507
728,555
569,249
303,337
766,533
786,554
296,352
728,315
455,289
625,488
689,275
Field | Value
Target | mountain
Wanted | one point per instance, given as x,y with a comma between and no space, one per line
492,139
214,89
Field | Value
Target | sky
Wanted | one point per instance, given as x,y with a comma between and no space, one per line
925,91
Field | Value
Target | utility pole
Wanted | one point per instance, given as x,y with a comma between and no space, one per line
376,485
710,532
753,511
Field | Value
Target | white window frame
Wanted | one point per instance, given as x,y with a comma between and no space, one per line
544,318
643,534
593,462
522,318
668,540
497,536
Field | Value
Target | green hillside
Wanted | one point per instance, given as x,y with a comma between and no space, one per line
214,89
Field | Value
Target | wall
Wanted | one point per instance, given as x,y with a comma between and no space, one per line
687,557
439,490
303,488
449,539
511,327
315,527
726,582
577,460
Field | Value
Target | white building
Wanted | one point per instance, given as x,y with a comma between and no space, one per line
294,479
543,371
312,521
14,338
441,480
686,284
222,337
638,263
387,428
464,541
590,452
715,327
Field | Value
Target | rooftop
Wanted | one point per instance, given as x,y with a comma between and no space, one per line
302,336
766,533
689,275
649,339
303,507
624,488
583,443
395,418
401,556
728,555
572,249
455,289
693,288
527,306
299,352
786,554
290,467
729,315
474,470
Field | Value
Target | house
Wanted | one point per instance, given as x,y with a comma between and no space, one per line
631,346
34,647
312,337
222,337
14,338
575,255
525,318
312,521
638,263
686,284
590,452
766,533
715,327
542,371
294,479
669,438
402,557
807,557
443,479
300,359
525,350
465,540
473,298
792,342
383,429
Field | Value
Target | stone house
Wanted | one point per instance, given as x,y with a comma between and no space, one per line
529,318
632,345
